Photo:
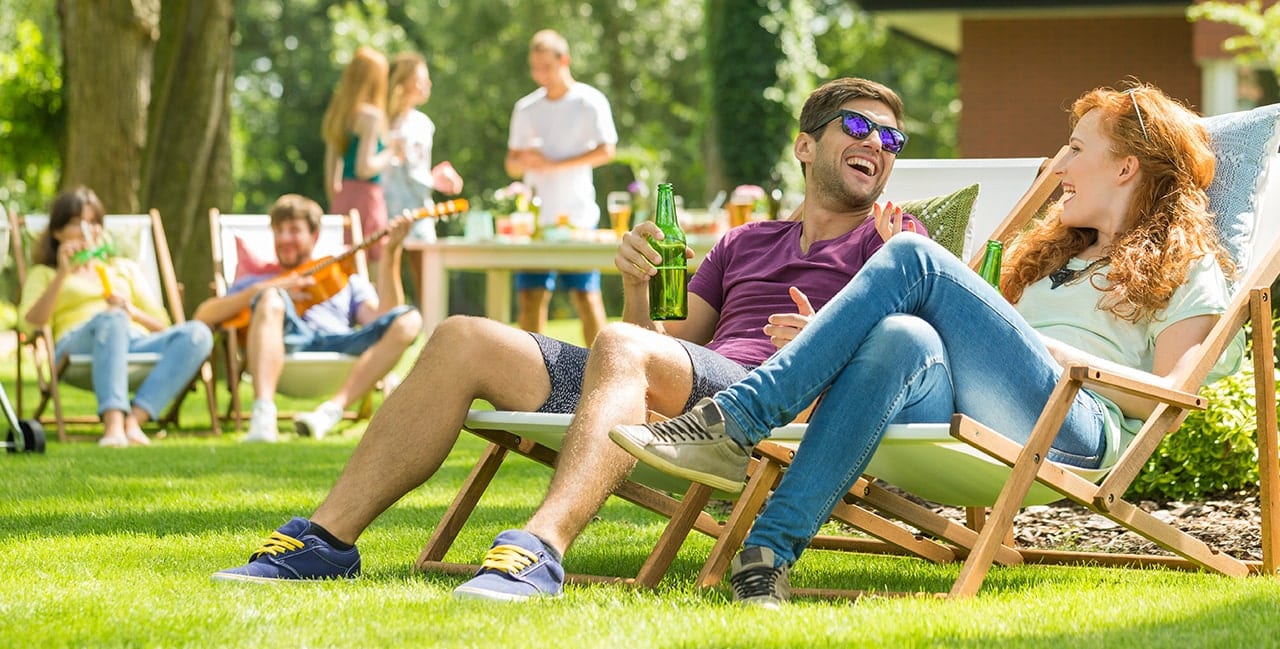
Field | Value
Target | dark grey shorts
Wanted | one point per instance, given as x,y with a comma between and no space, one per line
567,363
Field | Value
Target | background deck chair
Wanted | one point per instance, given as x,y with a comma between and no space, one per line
976,466
139,237
240,244
539,435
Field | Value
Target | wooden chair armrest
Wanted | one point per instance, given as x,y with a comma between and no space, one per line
1137,387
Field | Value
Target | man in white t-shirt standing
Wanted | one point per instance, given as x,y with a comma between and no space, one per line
559,133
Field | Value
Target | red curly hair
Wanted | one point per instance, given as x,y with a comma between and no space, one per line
1171,225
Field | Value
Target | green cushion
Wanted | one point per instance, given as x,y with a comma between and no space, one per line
946,216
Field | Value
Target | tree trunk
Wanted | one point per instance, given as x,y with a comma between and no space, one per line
107,48
187,167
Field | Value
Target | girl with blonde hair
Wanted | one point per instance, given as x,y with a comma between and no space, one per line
408,185
354,153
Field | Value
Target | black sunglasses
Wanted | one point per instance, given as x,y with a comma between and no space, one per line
859,127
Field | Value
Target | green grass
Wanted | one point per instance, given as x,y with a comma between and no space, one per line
115,548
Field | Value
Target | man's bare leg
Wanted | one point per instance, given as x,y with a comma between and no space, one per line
379,359
531,309
590,308
265,353
414,430
629,370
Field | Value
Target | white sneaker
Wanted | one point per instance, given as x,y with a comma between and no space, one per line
318,422
389,384
262,425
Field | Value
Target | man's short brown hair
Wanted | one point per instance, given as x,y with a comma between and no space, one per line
549,40
830,96
296,207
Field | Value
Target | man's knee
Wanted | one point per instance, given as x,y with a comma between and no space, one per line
460,334
620,340
270,304
404,329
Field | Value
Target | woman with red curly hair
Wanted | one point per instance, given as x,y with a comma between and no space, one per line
1125,274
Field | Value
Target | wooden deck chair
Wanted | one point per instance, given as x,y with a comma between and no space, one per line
140,237
978,466
539,435
242,244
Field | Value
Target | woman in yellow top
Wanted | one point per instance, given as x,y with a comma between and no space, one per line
105,308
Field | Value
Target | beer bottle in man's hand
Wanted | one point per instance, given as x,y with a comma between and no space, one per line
668,296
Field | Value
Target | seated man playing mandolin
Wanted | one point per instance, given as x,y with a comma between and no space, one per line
353,318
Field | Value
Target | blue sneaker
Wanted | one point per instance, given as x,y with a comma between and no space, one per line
516,568
290,554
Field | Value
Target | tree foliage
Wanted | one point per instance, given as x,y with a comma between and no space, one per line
751,123
32,116
1261,39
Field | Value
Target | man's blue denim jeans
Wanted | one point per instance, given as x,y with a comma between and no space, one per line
109,337
915,337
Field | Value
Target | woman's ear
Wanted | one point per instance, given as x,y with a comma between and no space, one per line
1128,168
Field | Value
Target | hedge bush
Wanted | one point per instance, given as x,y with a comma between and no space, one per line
1214,452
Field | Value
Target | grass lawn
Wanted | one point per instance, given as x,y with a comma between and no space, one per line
115,547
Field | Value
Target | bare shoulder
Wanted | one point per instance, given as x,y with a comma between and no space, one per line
368,118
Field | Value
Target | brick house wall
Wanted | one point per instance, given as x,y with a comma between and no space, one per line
1018,75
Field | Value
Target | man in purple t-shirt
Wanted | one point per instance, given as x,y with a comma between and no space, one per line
755,291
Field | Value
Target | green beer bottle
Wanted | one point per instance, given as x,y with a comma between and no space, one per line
668,295
990,268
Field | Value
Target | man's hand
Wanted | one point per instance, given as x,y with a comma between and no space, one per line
890,221
533,159
636,259
399,228
784,327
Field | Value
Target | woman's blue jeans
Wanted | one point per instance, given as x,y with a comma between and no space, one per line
914,337
110,338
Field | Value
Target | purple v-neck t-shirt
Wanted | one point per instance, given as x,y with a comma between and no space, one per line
746,275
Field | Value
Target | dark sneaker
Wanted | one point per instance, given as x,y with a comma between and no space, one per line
692,446
756,582
291,554
516,568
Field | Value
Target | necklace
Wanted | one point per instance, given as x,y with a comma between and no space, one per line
1065,275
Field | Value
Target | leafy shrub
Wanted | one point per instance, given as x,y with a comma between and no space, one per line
1213,453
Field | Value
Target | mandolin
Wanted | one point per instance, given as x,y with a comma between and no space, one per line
330,273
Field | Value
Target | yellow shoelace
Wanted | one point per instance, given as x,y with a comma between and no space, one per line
277,543
510,559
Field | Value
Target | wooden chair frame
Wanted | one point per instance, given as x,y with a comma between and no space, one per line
509,432
47,371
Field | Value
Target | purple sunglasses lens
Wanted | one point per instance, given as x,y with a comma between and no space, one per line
858,126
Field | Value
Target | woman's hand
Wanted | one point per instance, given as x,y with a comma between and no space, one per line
784,327
66,253
446,179
890,220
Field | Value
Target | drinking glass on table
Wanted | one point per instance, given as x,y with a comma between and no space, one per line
740,207
619,206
